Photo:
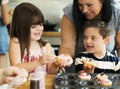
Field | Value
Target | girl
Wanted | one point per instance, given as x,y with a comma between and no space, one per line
27,49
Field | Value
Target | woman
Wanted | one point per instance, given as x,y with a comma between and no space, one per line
76,14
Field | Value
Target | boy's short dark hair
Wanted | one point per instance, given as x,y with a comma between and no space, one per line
101,25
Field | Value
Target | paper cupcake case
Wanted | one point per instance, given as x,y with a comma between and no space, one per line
72,81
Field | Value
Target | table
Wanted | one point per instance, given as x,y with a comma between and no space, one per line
48,83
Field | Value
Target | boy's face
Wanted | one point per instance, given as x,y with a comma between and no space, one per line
36,32
93,41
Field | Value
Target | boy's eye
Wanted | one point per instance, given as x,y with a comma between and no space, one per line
93,38
85,37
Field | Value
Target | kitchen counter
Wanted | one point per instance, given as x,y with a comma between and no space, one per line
51,34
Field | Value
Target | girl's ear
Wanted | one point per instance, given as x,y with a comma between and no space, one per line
107,40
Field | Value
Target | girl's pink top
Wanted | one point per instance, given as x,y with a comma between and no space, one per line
32,58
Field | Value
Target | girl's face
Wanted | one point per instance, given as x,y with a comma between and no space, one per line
93,41
36,32
90,8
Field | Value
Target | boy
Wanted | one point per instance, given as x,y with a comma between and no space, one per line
96,37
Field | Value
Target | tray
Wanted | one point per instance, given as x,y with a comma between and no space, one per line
72,81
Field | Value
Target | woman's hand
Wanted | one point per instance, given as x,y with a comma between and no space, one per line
58,64
66,60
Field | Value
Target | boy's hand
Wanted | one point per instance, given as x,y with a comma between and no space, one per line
89,64
89,68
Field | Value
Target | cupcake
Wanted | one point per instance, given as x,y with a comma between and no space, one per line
105,82
59,60
84,76
89,62
101,76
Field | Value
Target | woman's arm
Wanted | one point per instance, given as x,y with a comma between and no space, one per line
68,37
118,44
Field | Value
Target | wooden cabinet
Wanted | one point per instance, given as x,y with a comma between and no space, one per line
53,38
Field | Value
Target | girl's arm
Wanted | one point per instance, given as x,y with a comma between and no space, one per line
53,65
15,56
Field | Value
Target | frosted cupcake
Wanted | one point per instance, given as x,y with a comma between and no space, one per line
105,82
84,76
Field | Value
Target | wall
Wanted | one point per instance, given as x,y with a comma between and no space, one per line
52,9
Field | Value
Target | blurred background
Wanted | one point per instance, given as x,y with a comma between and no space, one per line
52,9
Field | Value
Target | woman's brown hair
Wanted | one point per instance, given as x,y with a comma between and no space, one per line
0,2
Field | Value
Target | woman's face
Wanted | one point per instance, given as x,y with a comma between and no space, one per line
36,32
90,8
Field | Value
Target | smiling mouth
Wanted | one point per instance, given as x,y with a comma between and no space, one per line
89,47
88,15
37,34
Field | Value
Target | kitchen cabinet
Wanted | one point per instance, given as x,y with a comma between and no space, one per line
53,38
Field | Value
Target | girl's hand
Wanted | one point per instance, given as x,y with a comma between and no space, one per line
43,59
57,64
51,57
46,58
